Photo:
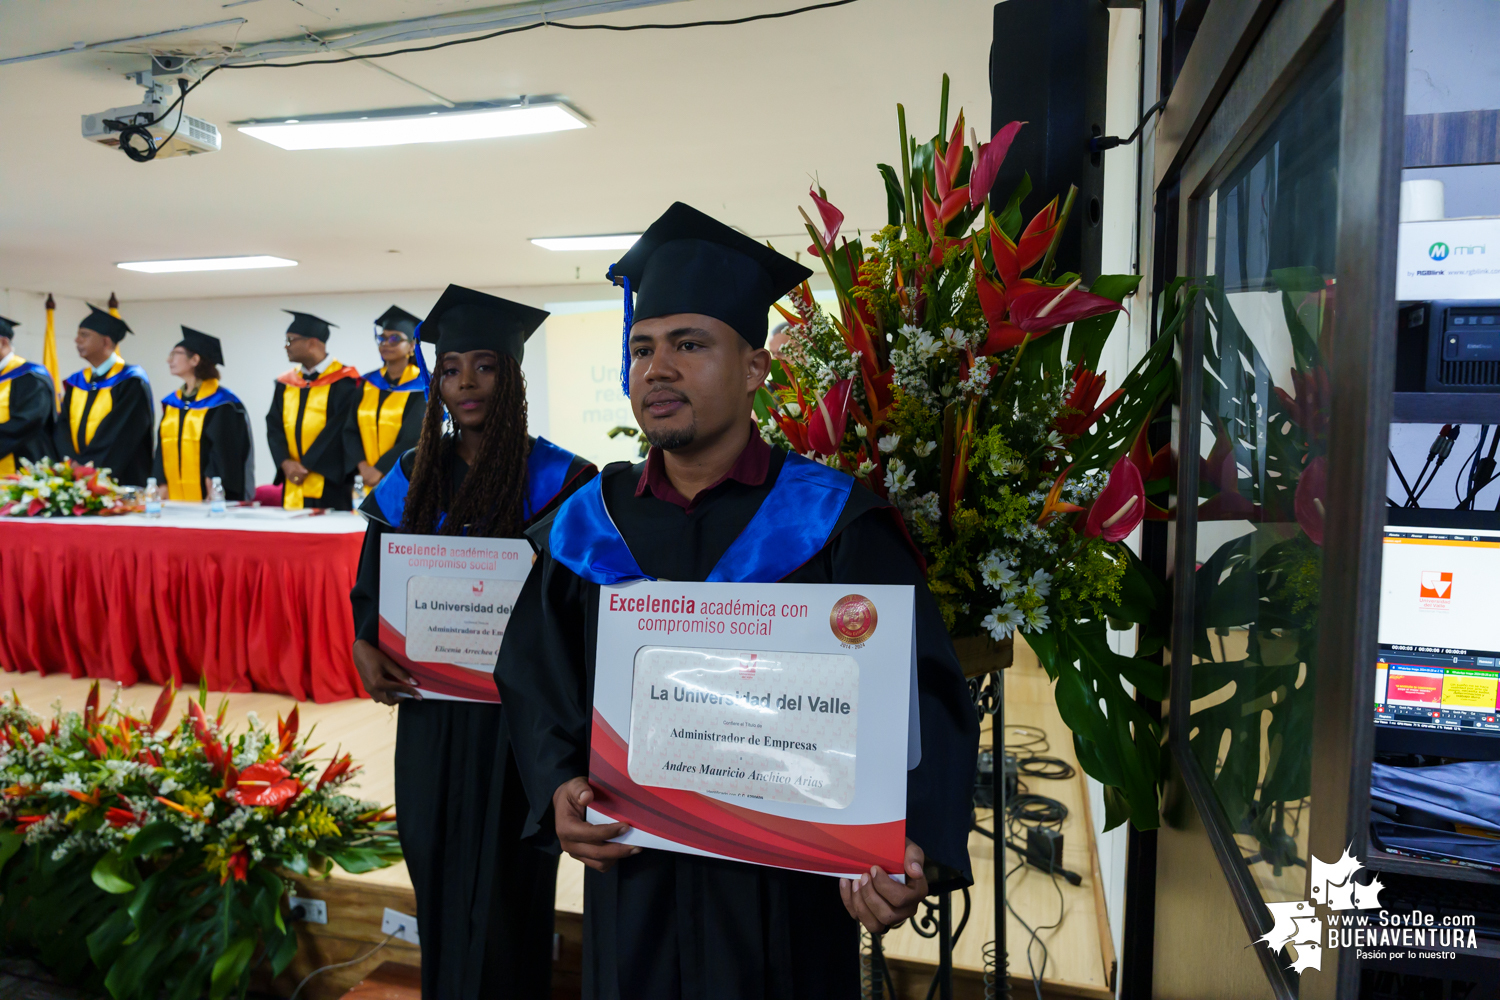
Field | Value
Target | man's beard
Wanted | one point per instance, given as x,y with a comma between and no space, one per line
673,439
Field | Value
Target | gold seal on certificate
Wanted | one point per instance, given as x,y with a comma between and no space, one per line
771,725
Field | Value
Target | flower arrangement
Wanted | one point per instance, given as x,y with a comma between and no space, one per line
45,488
157,846
946,383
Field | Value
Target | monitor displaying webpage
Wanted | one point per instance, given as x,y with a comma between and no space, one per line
1439,664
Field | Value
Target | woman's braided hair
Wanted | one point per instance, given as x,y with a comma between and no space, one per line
491,501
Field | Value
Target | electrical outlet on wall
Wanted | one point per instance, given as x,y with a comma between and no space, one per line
402,925
314,911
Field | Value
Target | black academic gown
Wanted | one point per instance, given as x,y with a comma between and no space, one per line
485,898
667,926
27,432
324,454
365,420
225,449
122,440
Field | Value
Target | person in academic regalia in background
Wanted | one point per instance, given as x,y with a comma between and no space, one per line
310,408
106,418
389,418
28,405
663,925
205,429
484,897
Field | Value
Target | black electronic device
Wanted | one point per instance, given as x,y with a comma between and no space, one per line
1448,346
1047,68
1437,689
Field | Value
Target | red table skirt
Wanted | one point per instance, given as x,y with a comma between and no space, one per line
248,610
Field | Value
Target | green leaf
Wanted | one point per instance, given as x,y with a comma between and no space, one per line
1116,807
1010,217
230,966
284,952
1077,704
358,860
297,864
10,843
1088,336
115,875
895,200
152,839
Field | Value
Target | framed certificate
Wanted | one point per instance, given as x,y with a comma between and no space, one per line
444,603
766,723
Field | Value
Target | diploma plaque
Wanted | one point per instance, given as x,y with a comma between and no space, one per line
766,723
444,603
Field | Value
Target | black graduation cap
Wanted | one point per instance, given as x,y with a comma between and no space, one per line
201,344
104,324
688,262
308,325
8,327
466,320
398,319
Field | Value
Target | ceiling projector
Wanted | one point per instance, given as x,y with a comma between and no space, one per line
148,130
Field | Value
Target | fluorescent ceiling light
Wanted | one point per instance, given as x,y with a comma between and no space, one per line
206,264
613,241
403,126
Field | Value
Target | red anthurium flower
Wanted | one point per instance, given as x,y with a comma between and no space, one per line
1153,467
1309,409
987,160
832,220
163,705
266,784
1044,309
1115,513
1312,491
826,424
7,508
35,507
1080,411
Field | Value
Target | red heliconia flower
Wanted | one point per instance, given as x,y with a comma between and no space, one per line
37,733
237,866
117,817
35,507
97,488
832,220
336,769
826,424
213,751
286,732
1312,491
1115,513
91,799
1043,309
1083,403
23,823
938,215
949,163
1054,504
97,746
163,705
987,160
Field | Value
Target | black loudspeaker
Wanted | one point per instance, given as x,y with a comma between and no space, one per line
1048,67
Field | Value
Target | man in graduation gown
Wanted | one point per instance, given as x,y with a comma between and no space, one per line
312,405
389,418
28,405
485,899
670,925
205,429
105,417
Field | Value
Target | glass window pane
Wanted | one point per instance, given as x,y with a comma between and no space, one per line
1264,240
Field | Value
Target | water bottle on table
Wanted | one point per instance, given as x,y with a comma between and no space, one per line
216,506
359,490
153,498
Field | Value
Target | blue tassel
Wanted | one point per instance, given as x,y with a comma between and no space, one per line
625,335
421,361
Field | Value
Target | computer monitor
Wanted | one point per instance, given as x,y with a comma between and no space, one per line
1437,679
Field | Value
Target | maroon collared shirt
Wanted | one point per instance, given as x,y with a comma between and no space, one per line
750,468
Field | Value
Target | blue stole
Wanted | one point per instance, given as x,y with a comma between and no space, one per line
794,522
77,381
218,398
378,380
546,474
25,367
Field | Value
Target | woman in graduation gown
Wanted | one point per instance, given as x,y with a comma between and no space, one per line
484,897
389,419
205,429
105,418
714,501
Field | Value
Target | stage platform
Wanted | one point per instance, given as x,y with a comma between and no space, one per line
1081,958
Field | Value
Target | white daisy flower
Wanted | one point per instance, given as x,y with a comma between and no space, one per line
897,479
888,443
1040,583
924,448
1002,621
1037,619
